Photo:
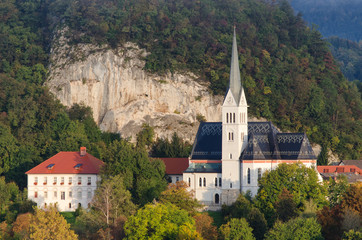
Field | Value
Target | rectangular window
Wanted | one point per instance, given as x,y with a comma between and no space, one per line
89,194
177,179
233,117
55,194
227,117
220,182
62,181
215,182
36,181
45,195
55,181
79,194
70,205
70,194
45,181
70,181
35,194
89,180
79,180
248,175
62,195
189,182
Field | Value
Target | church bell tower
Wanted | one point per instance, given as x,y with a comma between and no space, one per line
234,131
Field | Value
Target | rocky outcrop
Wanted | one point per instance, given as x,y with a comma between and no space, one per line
123,95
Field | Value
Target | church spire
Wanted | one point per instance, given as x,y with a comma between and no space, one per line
235,82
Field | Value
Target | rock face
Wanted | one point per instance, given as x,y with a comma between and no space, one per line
123,96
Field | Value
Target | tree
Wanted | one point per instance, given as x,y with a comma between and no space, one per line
296,229
161,221
113,200
205,226
285,207
353,198
258,223
331,221
239,209
145,136
352,235
21,226
236,229
49,224
177,194
336,190
301,181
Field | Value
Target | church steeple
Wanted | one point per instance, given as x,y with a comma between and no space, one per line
235,82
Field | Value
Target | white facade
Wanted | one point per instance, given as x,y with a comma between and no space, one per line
66,191
175,177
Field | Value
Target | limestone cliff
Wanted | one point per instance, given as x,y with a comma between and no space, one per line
123,96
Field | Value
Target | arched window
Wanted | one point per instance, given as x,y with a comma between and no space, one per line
204,182
189,182
248,175
227,117
70,205
200,182
231,156
216,182
233,117
231,185
259,173
217,198
220,182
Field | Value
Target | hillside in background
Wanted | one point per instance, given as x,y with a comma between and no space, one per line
342,18
287,70
349,57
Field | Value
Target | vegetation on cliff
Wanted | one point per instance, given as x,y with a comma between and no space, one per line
287,70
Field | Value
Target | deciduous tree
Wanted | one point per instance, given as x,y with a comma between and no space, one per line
237,229
49,224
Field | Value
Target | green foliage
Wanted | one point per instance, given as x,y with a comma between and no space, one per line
49,224
296,229
236,229
162,147
352,235
160,221
285,207
337,189
145,136
178,195
258,223
239,209
300,181
142,176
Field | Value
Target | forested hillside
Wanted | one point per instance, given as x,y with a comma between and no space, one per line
349,56
287,70
340,18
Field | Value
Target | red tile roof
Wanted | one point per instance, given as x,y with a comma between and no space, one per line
65,162
175,165
339,169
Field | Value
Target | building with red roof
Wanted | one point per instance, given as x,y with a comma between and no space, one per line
351,172
68,179
175,168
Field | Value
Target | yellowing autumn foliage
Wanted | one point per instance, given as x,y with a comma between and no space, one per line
50,225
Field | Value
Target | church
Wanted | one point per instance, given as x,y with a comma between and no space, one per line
229,157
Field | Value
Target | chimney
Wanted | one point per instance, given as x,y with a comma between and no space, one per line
83,151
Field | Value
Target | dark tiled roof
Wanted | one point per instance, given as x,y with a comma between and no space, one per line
357,163
265,142
208,141
204,168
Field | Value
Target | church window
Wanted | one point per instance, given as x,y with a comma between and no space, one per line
200,182
70,205
177,179
204,182
215,182
231,136
189,182
259,173
231,185
233,117
231,156
219,182
248,175
227,117
217,198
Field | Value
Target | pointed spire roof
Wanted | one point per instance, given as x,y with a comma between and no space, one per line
235,82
